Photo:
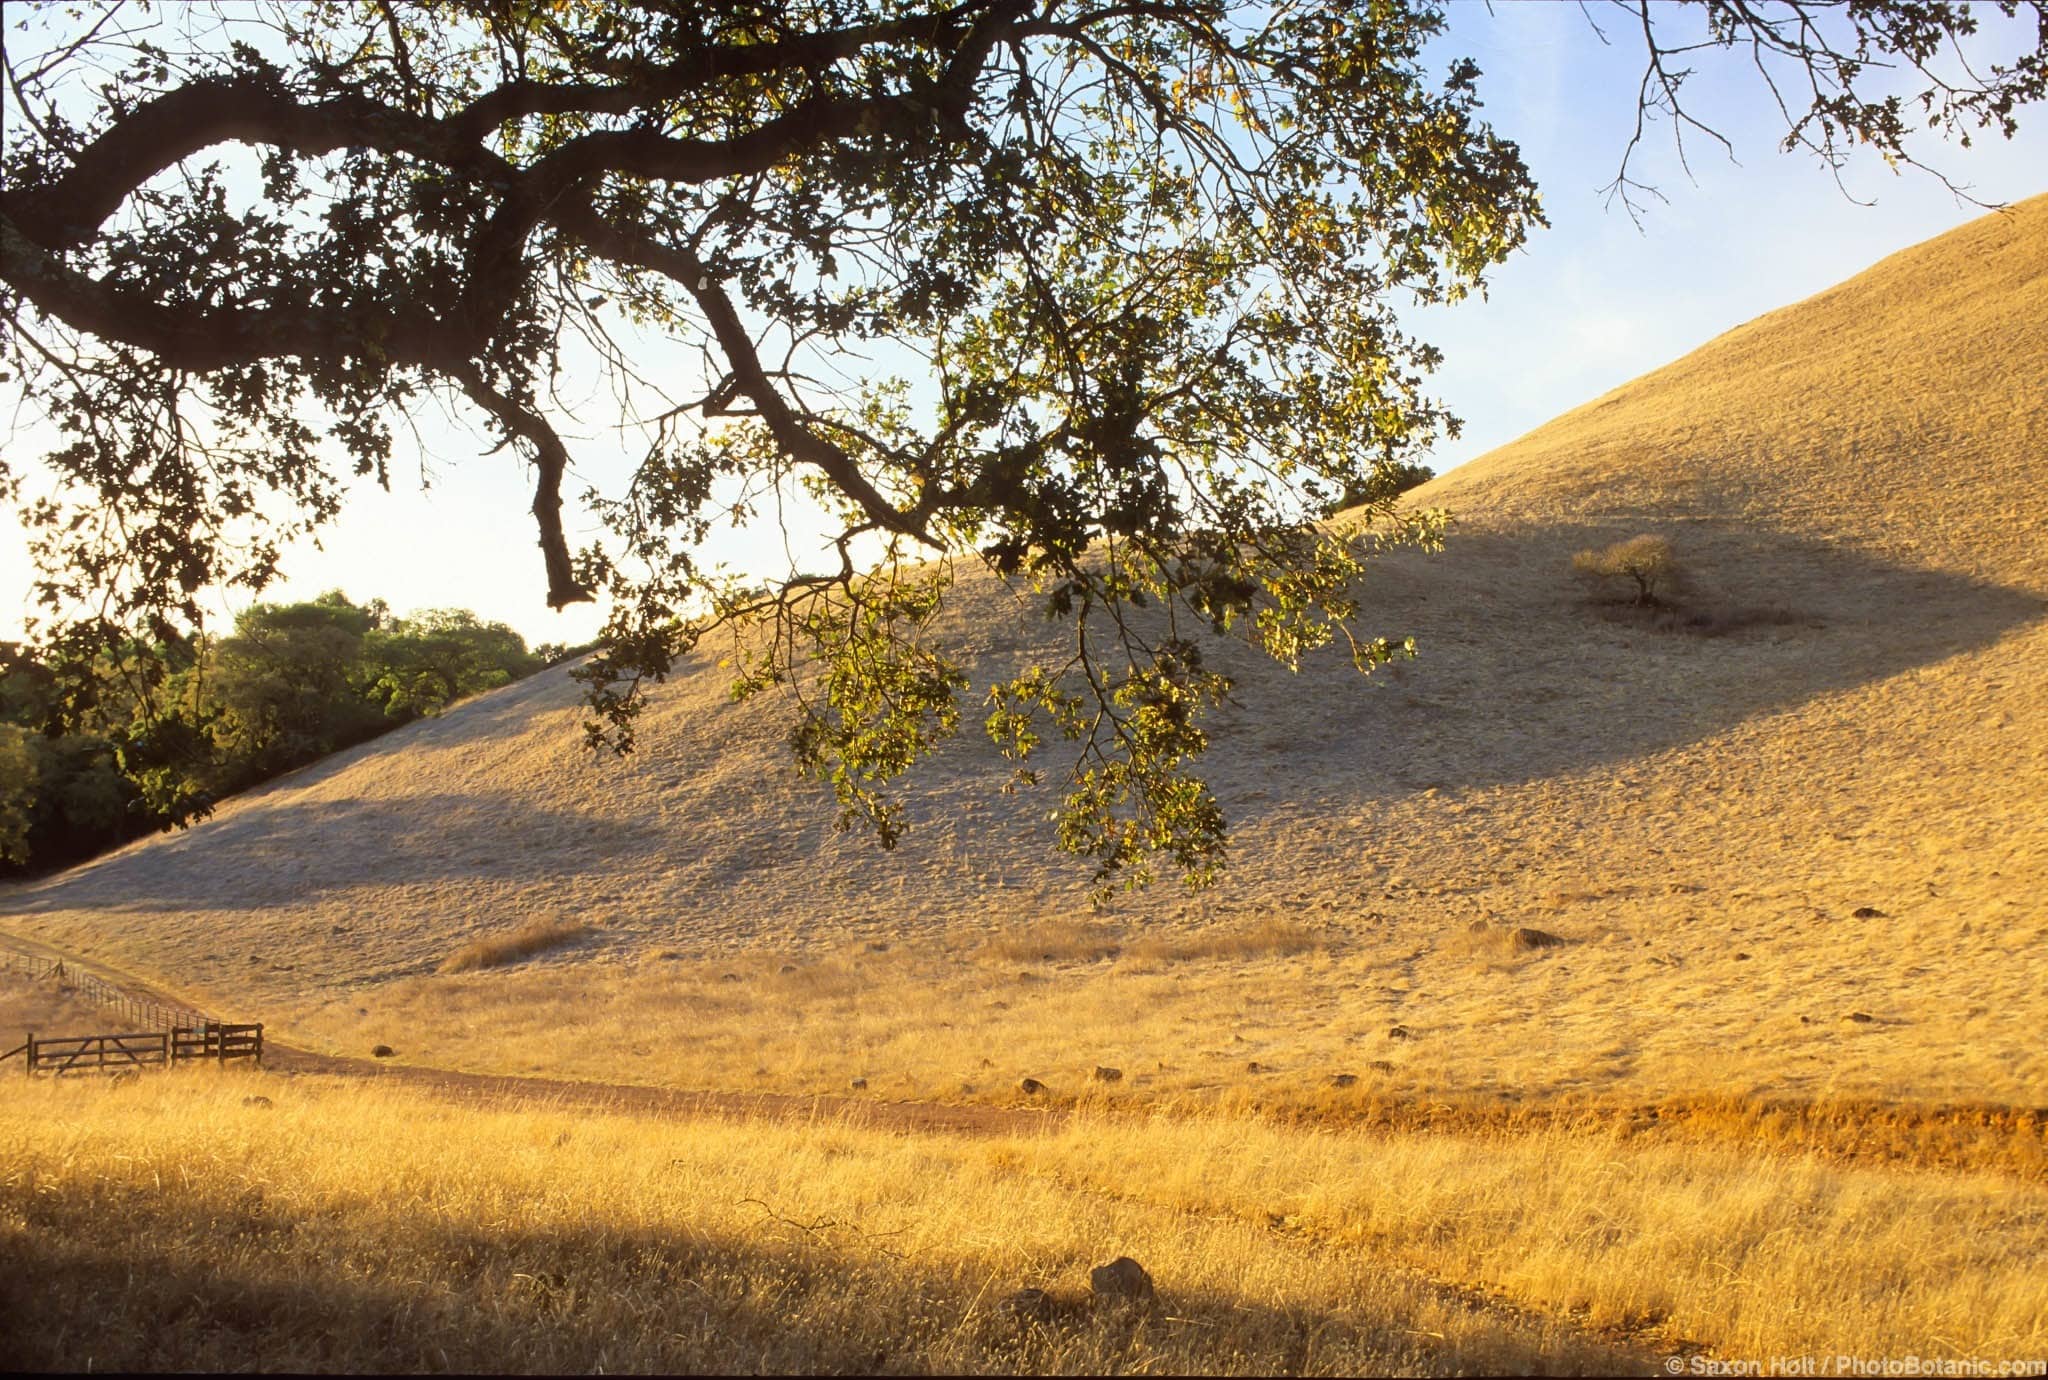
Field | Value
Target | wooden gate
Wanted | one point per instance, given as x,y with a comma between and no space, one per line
218,1041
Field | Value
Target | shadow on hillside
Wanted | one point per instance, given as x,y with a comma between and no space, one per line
1524,674
285,849
1522,678
787,1298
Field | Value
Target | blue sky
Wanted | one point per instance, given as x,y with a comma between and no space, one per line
1590,303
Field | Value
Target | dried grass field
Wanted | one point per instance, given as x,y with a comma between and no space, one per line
287,1227
1777,1087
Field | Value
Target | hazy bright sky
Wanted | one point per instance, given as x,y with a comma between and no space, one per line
1591,302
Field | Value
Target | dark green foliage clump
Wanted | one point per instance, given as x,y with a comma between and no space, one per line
92,755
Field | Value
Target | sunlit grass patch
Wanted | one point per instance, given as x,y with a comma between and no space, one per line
536,936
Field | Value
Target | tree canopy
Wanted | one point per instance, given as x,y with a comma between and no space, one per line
1098,296
93,755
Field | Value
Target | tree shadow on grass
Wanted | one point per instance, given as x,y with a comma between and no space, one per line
287,850
1526,673
204,1278
1523,676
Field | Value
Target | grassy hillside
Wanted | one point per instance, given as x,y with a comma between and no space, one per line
1793,839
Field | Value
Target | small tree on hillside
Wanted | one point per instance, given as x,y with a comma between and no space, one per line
1646,560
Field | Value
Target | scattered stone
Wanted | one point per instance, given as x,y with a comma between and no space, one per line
987,1062
1254,1067
786,969
1343,1080
383,1052
1806,1020
1382,1066
1397,1032
858,1084
1030,1087
1237,1039
876,946
728,977
1861,1017
1123,1280
1742,958
1525,938
1105,1074
256,1100
1027,1306
1868,913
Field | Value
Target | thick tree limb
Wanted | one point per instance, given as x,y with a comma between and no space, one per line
551,459
199,341
681,266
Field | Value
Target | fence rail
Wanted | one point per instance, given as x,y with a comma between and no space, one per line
63,1054
144,1012
173,1034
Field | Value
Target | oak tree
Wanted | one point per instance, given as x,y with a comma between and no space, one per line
1099,295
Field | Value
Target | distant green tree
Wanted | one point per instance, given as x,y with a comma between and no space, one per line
289,683
18,780
95,754
422,664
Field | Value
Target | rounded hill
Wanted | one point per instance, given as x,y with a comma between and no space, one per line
1790,831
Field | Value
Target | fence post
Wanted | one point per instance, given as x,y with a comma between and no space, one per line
29,1062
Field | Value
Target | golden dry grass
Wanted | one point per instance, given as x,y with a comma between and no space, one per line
167,1223
48,1006
536,936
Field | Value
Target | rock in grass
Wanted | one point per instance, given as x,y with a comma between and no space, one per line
1027,1306
1860,1017
1105,1074
1524,939
256,1100
1123,1280
1868,913
858,1084
1030,1087
1343,1080
383,1052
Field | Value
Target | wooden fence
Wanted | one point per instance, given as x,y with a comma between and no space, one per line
142,1012
171,1035
64,1054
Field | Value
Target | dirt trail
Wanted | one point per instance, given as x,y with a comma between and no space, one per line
909,1118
